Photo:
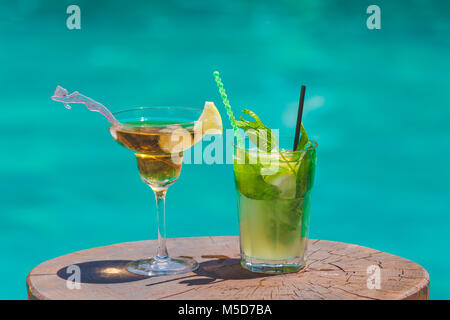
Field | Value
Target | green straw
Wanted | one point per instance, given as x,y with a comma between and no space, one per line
226,103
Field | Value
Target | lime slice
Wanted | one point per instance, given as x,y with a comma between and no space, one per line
284,182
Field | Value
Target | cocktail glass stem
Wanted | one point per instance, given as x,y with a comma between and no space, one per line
160,196
161,263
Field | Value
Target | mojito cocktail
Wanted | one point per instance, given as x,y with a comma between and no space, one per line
274,197
274,186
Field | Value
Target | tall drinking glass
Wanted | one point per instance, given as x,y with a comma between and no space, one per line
274,199
158,136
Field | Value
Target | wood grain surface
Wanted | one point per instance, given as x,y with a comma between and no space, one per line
334,270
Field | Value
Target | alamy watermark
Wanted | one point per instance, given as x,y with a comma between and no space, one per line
223,149
374,20
74,20
74,279
374,279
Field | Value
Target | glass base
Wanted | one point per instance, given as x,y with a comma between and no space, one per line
160,267
272,267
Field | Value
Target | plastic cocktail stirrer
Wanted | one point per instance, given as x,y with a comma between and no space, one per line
61,95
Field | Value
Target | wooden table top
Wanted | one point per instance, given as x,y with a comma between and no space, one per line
334,270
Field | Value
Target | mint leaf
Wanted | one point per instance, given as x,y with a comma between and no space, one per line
254,187
303,139
257,132
249,181
305,174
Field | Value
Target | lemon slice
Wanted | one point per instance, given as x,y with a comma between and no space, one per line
210,122
178,139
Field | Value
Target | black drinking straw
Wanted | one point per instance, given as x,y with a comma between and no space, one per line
299,117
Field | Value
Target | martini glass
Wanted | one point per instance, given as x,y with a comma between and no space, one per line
158,136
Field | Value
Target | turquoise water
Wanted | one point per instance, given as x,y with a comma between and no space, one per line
377,103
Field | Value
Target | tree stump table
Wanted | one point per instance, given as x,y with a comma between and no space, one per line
334,270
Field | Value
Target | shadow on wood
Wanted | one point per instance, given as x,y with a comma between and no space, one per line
114,271
102,271
226,269
217,270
